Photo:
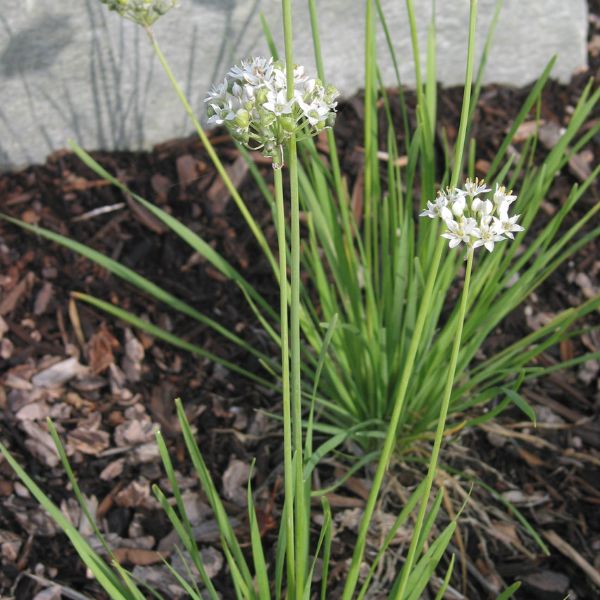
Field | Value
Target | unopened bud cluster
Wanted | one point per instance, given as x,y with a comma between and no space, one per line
474,220
254,105
144,12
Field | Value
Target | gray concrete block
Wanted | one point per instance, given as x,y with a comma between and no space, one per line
72,69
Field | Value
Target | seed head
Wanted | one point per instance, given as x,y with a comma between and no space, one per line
143,12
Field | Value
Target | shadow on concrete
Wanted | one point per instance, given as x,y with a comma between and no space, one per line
37,47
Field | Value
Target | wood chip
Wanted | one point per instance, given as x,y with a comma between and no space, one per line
42,300
100,350
570,552
145,217
12,299
525,130
161,186
187,170
138,556
87,441
235,480
581,164
547,584
59,373
134,355
218,195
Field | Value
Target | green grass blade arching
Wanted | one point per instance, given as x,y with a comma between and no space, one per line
258,555
137,280
166,336
185,233
229,540
182,523
106,577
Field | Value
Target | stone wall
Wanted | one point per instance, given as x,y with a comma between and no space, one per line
72,69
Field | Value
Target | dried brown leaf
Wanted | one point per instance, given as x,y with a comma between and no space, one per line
100,350
12,299
88,441
137,556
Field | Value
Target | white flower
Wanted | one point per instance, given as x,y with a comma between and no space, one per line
458,206
460,231
484,207
254,71
278,103
503,200
217,92
454,195
475,187
315,112
487,235
252,103
506,225
300,76
226,111
478,221
438,208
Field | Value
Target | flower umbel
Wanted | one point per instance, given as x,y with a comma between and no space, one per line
473,220
143,12
252,103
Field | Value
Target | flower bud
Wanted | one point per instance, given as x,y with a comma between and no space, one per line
288,124
242,119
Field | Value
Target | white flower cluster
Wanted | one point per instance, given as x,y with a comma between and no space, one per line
472,220
144,12
252,102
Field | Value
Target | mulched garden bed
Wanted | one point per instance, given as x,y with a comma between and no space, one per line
106,386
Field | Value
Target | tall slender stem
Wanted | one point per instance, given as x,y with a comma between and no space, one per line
333,153
466,105
371,163
300,515
390,439
439,434
285,378
256,231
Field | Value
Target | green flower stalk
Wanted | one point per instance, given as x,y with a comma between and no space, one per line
268,105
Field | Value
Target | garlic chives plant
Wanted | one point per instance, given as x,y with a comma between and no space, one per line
268,105
422,315
469,220
373,270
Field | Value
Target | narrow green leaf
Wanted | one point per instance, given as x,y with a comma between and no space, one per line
510,591
166,336
522,404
